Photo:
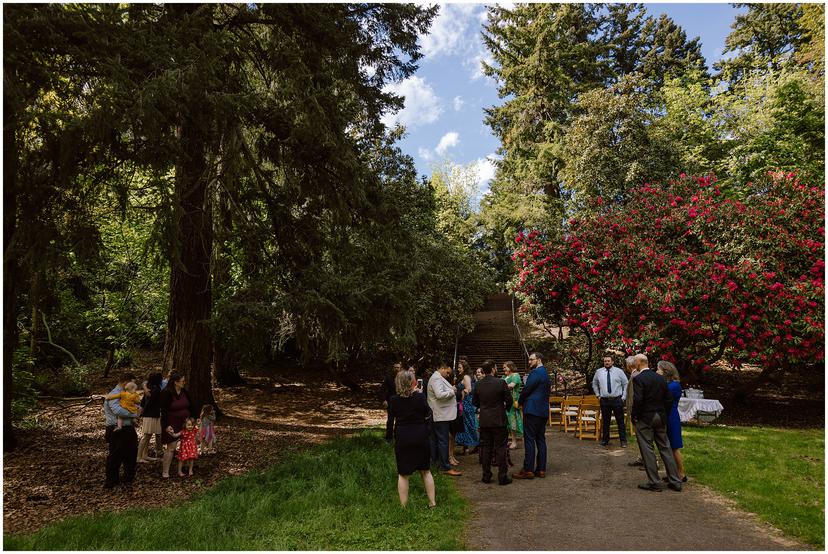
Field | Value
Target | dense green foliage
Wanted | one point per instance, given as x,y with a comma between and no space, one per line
604,107
339,496
599,99
778,474
216,179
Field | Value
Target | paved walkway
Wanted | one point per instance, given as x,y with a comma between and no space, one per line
589,501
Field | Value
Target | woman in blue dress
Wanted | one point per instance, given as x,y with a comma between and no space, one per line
469,436
670,374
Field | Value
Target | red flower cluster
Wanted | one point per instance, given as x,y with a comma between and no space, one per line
693,280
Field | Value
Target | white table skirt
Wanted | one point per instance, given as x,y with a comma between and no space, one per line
688,407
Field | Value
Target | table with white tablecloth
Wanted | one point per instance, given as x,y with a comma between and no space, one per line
689,407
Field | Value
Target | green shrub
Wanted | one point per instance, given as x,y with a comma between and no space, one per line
73,380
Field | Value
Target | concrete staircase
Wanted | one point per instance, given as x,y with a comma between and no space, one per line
493,336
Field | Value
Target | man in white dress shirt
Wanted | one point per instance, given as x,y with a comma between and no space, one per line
610,385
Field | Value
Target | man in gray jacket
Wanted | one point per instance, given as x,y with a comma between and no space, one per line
443,402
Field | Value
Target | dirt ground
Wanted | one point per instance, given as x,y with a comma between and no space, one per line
589,501
58,471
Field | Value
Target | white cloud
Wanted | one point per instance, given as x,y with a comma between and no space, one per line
425,154
422,105
449,140
486,169
447,34
458,103
475,63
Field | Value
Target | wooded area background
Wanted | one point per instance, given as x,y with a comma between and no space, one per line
215,180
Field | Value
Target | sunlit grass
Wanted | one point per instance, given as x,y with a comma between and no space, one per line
778,474
338,496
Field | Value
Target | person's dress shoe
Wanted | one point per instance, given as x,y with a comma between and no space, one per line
623,445
649,487
507,481
673,487
604,443
540,474
684,479
451,472
486,480
523,474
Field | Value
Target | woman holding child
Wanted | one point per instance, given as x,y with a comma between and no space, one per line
175,409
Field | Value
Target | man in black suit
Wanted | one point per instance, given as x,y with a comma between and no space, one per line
493,398
649,414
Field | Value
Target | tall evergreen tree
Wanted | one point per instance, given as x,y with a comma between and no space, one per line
272,106
668,53
765,37
545,57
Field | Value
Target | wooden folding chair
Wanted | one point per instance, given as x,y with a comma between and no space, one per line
556,410
570,408
589,419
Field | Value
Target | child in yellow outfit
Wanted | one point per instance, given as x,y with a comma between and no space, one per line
129,399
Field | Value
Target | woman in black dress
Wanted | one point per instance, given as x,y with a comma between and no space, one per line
409,412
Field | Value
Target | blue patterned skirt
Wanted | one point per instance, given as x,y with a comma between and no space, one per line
470,436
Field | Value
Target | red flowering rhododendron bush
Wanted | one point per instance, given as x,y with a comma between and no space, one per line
689,275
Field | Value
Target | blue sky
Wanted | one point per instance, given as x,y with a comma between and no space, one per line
443,113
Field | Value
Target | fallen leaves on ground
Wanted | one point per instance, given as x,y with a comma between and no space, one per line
57,471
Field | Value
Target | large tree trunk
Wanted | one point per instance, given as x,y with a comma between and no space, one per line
11,271
189,348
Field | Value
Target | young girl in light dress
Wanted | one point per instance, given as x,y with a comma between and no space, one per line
187,449
206,429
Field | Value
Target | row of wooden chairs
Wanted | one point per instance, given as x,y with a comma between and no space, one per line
580,415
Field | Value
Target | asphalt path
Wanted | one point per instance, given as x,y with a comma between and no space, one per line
589,500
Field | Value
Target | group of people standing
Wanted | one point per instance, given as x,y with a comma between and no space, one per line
428,417
166,412
651,398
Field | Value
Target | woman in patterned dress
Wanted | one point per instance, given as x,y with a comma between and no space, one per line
513,416
469,437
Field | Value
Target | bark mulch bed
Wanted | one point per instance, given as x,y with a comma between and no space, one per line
57,470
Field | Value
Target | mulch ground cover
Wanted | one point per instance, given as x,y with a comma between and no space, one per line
57,470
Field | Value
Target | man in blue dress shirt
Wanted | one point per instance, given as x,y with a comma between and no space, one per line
534,399
610,385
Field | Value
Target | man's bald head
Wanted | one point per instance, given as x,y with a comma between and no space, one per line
641,361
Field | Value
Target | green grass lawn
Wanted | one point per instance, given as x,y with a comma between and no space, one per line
338,496
778,474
